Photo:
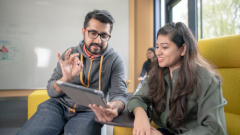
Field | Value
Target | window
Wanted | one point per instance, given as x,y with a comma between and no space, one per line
180,12
218,18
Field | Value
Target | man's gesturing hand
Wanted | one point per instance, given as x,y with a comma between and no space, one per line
71,66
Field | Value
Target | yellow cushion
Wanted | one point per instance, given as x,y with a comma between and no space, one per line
34,99
233,123
231,89
222,51
126,131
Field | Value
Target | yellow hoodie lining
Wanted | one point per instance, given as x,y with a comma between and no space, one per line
100,71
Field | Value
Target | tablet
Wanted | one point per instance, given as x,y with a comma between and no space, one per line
83,95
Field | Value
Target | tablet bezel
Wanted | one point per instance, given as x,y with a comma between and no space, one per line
83,95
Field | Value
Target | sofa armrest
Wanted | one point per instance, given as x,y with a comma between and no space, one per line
34,99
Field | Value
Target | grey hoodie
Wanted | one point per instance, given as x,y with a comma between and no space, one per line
112,77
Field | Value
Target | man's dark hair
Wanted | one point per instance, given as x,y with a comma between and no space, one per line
101,15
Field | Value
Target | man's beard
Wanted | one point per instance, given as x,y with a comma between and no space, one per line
88,47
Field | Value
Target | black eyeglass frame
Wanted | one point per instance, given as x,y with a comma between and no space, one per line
98,35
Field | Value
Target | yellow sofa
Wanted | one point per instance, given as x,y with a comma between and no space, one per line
224,52
34,99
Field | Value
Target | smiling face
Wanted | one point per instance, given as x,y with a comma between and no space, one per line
168,53
96,46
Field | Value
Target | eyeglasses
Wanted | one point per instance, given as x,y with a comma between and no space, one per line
94,34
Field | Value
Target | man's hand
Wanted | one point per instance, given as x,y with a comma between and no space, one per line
71,67
107,114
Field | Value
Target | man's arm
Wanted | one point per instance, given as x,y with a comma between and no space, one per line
118,89
117,92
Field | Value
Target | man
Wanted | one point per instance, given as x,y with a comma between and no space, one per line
100,68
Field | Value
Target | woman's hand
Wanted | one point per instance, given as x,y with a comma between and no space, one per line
141,122
155,131
140,79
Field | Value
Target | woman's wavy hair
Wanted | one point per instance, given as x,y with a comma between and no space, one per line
180,34
149,63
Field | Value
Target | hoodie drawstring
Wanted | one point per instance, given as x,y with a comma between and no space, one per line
100,72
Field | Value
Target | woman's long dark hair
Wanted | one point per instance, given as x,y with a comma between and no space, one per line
180,34
149,62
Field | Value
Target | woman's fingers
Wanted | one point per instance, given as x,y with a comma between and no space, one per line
135,131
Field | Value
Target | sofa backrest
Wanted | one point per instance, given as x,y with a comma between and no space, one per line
224,52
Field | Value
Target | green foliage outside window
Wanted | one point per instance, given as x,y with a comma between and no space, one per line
219,18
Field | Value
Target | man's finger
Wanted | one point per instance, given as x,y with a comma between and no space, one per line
59,58
66,55
108,116
98,114
113,113
73,56
98,109
76,59
111,105
80,67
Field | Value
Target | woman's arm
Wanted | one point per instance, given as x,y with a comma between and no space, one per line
211,118
144,69
141,124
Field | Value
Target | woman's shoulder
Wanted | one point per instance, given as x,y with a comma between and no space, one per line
145,63
208,81
205,74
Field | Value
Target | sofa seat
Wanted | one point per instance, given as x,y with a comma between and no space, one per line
233,123
34,99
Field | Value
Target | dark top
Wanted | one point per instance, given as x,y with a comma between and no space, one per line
144,69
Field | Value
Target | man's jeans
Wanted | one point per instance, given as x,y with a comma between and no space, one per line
52,117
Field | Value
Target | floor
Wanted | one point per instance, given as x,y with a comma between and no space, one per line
13,114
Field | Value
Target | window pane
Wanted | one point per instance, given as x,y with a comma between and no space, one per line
163,12
220,18
180,12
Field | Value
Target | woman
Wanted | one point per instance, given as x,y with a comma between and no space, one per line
151,56
183,89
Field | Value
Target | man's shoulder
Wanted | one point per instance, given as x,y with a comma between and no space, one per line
114,54
75,49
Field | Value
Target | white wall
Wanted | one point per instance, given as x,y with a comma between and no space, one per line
34,30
